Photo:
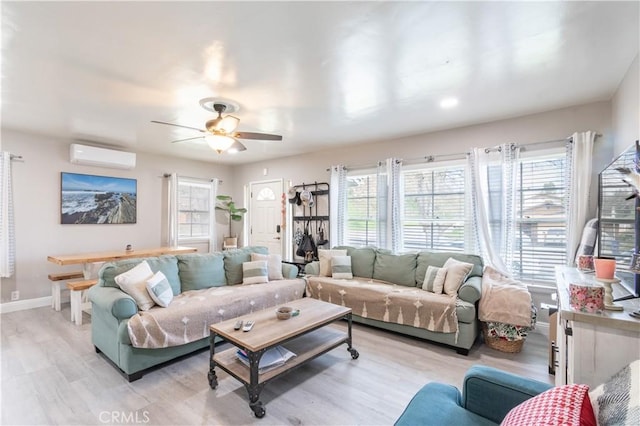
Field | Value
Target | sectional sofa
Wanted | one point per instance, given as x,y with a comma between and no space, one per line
207,288
386,291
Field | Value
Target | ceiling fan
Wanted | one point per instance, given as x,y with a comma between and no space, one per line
220,132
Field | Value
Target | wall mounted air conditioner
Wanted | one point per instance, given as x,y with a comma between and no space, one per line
101,157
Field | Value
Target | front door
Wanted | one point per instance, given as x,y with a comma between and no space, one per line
266,217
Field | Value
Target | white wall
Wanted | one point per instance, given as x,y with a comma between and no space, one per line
36,184
625,109
532,128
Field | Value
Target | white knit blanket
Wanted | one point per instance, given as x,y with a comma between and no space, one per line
504,300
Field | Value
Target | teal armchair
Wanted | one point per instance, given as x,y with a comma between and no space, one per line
488,394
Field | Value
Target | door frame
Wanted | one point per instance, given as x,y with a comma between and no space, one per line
247,202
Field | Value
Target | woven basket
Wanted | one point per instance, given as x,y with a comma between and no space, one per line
502,345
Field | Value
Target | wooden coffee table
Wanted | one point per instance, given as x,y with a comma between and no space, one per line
306,335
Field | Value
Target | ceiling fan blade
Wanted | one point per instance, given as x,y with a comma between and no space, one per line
259,136
187,139
179,125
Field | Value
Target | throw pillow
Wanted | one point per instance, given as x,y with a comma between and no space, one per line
255,272
159,289
325,260
563,405
617,401
341,267
457,272
434,279
274,264
134,283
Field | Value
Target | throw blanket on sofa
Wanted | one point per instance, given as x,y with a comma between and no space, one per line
504,300
189,315
388,302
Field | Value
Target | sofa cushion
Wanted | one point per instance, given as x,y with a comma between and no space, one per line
434,279
233,260
617,401
159,289
457,273
426,258
395,268
362,260
567,405
201,270
325,260
255,272
134,283
274,264
341,267
168,264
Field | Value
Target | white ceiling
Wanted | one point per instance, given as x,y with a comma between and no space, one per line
322,74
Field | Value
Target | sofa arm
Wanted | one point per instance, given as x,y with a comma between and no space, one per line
113,300
492,393
289,271
438,404
312,268
471,290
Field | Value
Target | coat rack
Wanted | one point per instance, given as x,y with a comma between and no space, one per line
314,217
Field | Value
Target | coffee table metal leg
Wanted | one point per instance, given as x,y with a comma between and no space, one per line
253,387
354,353
213,379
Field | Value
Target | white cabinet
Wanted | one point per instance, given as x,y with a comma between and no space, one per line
593,347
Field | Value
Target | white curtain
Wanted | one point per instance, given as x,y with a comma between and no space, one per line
7,228
213,235
382,217
493,175
390,205
579,158
338,203
172,240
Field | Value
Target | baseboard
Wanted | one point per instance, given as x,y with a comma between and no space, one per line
22,305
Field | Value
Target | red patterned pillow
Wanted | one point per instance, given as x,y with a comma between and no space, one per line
563,405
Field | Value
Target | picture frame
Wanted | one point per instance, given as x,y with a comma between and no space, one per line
94,199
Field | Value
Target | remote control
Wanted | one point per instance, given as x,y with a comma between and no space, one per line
238,325
248,326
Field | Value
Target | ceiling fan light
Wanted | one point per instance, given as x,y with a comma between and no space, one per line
236,147
228,124
219,143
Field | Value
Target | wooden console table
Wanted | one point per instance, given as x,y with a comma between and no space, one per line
593,347
86,259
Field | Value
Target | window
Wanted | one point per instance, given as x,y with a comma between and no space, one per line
362,210
194,209
434,208
541,220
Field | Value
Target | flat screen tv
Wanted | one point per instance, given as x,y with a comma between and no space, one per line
619,218
91,199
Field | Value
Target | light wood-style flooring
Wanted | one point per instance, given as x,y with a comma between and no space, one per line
52,375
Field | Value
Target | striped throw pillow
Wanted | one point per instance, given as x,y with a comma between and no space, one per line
159,289
434,279
256,272
341,267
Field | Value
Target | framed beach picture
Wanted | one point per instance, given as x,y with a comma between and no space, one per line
91,199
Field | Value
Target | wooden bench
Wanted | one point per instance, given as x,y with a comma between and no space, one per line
56,290
77,290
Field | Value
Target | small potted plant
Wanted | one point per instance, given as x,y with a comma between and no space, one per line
226,203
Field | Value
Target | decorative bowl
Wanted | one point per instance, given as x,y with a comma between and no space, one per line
284,312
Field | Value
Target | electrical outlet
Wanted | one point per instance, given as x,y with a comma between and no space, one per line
15,295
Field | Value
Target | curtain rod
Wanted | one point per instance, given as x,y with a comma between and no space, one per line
166,175
431,158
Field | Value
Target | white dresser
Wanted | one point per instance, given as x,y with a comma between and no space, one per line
593,347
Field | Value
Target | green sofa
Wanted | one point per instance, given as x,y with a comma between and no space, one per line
112,308
371,265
